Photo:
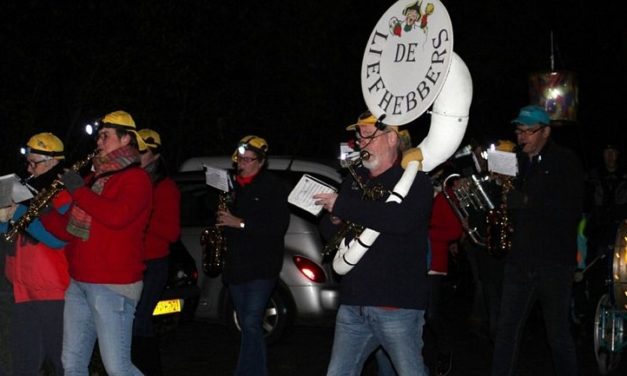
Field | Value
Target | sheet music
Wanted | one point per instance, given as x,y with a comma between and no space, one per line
12,190
502,162
302,194
217,178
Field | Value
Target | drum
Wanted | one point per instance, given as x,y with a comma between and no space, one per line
619,267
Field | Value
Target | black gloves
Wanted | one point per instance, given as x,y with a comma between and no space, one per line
72,181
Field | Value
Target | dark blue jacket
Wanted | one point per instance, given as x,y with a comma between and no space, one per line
545,226
256,252
393,271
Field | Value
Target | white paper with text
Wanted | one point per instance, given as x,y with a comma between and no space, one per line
302,194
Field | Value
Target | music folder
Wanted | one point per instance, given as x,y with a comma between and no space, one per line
12,190
302,194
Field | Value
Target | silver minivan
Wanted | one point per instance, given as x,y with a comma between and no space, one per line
307,290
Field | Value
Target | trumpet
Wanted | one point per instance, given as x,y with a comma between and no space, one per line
42,200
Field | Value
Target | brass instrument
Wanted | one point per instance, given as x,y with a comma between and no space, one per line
486,223
43,198
499,227
213,243
471,200
350,229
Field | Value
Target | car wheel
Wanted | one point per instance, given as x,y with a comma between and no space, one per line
275,320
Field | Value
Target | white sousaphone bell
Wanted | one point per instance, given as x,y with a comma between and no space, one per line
408,66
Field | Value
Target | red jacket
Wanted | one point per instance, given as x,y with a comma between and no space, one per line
444,228
114,251
165,223
37,271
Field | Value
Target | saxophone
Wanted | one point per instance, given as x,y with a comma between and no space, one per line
499,227
42,200
213,243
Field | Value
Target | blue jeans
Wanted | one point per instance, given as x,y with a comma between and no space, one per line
551,287
94,311
360,330
250,300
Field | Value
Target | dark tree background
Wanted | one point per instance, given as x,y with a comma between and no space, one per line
205,73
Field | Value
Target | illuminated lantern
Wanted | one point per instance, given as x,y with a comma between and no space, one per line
557,93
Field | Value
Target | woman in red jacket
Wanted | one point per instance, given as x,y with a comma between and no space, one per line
163,229
104,229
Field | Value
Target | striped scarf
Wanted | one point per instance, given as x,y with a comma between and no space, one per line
105,166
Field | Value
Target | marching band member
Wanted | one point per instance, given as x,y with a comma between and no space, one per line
163,229
104,229
37,268
384,297
254,228
546,207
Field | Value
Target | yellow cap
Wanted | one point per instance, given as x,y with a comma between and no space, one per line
124,120
364,119
505,145
251,142
150,137
46,144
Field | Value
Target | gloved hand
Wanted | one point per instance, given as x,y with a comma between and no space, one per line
516,199
72,181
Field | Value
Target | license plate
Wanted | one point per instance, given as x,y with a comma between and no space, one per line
168,306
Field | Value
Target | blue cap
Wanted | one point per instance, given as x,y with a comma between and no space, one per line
532,115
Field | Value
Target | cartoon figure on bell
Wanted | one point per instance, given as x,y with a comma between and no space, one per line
414,17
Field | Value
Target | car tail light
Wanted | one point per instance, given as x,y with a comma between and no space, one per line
310,269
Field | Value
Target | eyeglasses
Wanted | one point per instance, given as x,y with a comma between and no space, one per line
245,159
527,131
33,164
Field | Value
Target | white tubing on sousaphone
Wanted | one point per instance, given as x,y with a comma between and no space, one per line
449,118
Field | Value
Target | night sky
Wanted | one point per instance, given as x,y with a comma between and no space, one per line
205,73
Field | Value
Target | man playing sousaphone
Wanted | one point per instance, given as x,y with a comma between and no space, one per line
384,297
37,268
104,229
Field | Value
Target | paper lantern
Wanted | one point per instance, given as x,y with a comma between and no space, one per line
557,93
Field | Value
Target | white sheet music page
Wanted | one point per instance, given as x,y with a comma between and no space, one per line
217,178
12,190
502,162
302,194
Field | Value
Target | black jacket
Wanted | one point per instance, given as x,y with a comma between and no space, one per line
393,271
256,252
545,226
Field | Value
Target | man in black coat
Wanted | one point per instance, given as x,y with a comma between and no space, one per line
546,206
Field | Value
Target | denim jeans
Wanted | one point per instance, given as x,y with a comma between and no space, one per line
360,330
551,286
250,300
94,311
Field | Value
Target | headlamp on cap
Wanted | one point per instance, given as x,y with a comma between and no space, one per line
253,143
92,128
46,144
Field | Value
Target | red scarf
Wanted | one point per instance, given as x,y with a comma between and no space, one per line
244,180
80,221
